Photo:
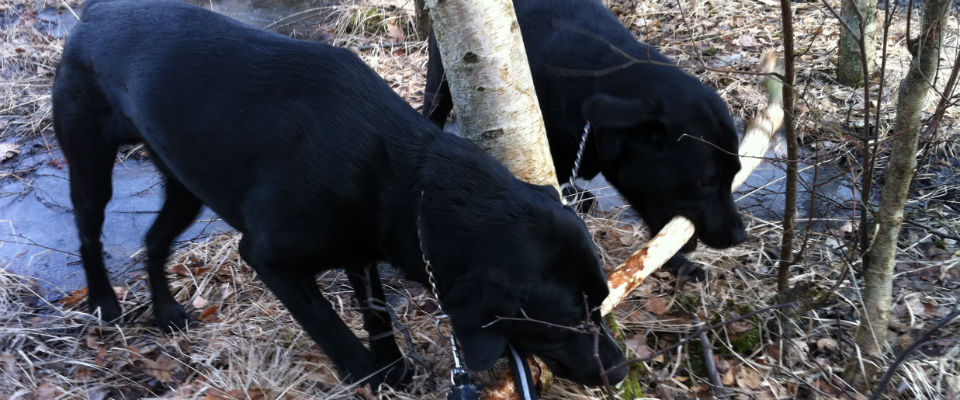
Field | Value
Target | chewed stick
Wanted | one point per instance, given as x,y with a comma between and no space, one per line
653,254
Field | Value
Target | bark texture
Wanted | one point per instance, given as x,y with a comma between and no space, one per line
790,130
878,274
850,61
490,84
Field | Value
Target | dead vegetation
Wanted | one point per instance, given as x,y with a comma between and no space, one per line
244,345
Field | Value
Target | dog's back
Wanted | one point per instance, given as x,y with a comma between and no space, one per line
215,88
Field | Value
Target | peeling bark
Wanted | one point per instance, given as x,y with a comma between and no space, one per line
490,84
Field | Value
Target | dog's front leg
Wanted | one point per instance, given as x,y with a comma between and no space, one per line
300,294
368,290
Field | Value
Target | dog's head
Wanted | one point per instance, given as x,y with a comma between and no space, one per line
534,263
671,160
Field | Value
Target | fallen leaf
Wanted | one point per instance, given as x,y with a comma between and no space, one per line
200,302
8,150
656,305
46,391
74,298
180,269
395,32
916,306
729,377
827,344
638,346
82,374
741,326
162,369
92,343
746,40
905,340
721,363
101,360
208,315
749,379
58,163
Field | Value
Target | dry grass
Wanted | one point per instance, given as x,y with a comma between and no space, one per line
246,346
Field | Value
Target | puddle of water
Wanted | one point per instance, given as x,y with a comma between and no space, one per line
37,233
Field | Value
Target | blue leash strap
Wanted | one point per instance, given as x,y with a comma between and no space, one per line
522,378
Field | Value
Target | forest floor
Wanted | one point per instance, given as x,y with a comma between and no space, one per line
244,345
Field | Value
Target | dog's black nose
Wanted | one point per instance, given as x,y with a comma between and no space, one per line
617,375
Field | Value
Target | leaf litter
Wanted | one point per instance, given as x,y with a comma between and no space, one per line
244,344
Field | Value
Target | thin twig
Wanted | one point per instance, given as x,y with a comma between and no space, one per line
708,363
903,354
933,231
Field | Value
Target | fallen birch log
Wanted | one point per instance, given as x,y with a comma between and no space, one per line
653,254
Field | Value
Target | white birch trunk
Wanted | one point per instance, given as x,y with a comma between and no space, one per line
490,84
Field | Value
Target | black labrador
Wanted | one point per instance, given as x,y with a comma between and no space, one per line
319,164
664,140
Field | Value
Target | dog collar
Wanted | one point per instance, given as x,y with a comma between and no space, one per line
463,386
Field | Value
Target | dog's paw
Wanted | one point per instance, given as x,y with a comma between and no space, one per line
581,199
400,374
170,316
684,270
107,307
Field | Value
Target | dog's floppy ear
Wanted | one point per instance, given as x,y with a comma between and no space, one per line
607,111
474,302
637,121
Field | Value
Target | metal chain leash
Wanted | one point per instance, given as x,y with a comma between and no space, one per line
463,386
576,162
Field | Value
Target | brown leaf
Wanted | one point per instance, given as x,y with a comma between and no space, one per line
722,364
58,163
82,374
208,315
749,379
46,391
638,346
162,369
746,40
101,359
729,377
827,344
200,302
74,298
741,326
395,32
905,340
656,305
181,270
916,306
92,343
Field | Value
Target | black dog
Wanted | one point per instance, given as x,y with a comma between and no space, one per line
664,140
306,151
